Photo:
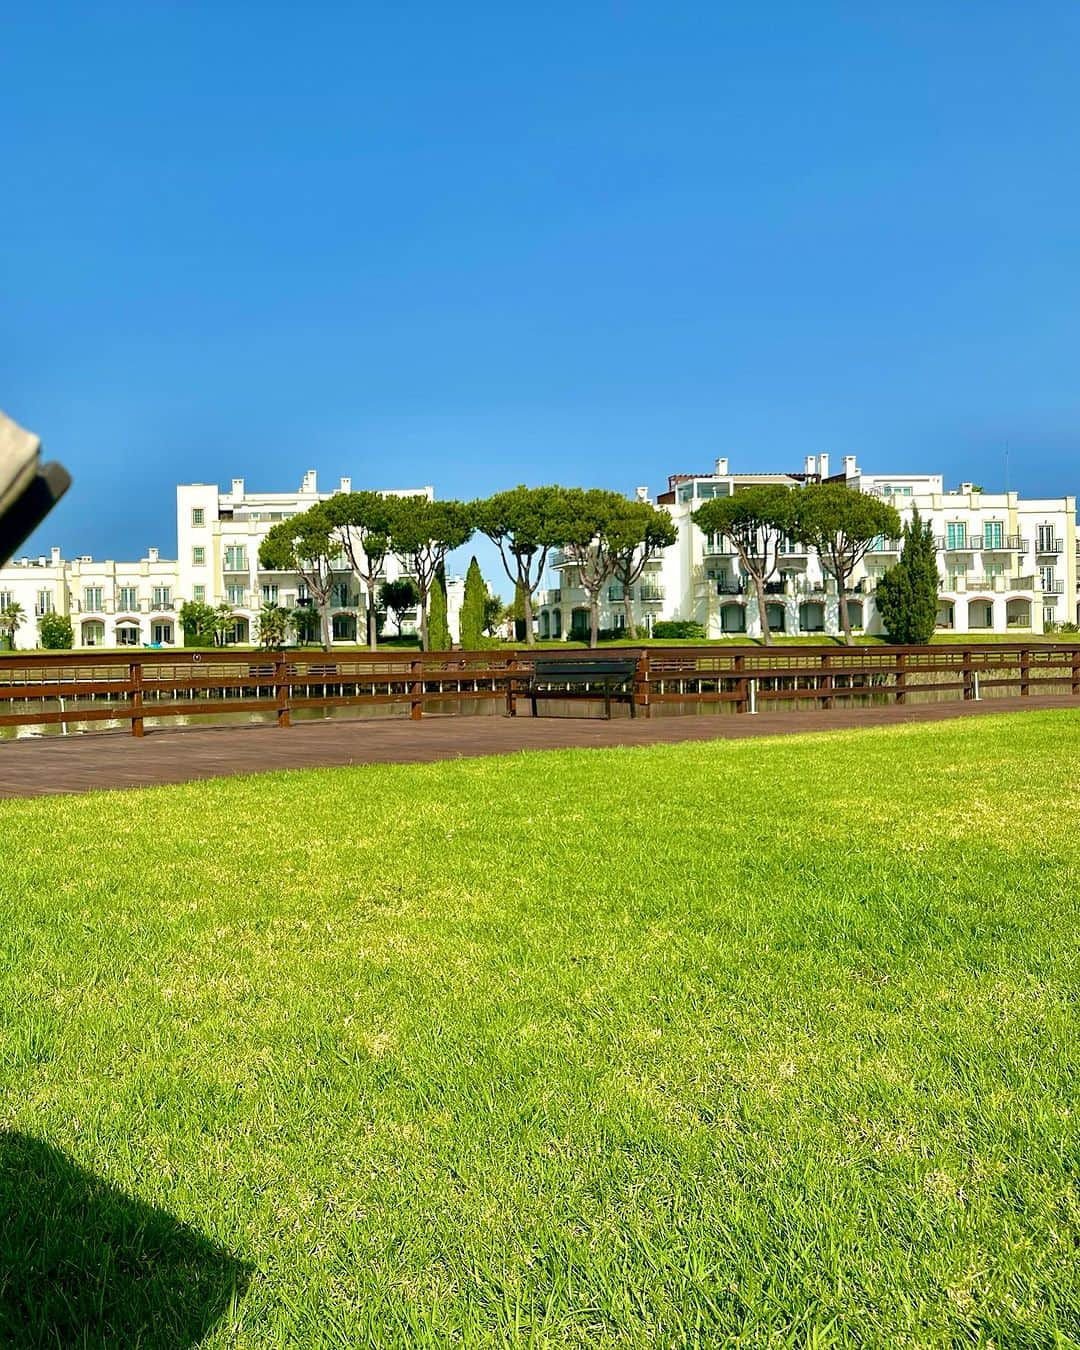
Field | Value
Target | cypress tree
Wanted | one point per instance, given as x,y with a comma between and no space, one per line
907,595
438,629
472,608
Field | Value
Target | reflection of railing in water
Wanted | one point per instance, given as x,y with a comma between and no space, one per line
54,689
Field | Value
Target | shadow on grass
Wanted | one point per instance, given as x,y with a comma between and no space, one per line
83,1264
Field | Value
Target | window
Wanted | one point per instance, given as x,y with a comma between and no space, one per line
127,635
199,595
302,592
162,598
1049,616
1045,539
340,595
993,534
234,595
956,534
44,603
7,598
163,632
270,594
93,633
198,516
198,556
1046,579
128,597
93,598
236,558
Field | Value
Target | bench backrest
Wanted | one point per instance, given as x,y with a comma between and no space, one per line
581,669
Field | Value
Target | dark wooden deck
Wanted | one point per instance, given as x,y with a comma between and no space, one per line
91,762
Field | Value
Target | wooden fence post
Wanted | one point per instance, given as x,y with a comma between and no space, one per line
741,701
641,682
135,672
827,681
281,688
416,706
1076,670
968,675
901,677
1025,673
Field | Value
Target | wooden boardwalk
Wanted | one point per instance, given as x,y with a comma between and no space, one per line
82,763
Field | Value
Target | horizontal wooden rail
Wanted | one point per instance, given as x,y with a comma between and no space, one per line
60,688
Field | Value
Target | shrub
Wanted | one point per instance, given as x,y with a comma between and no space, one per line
56,632
678,628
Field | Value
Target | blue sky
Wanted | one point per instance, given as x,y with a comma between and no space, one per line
480,244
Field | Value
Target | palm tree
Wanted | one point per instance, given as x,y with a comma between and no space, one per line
10,618
273,625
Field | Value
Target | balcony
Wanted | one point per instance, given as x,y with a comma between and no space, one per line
1022,583
1009,543
886,546
725,586
651,595
944,544
1046,546
1052,588
718,548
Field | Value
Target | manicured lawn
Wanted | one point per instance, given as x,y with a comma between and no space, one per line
764,1043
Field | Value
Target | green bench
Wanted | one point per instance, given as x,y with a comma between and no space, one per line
584,677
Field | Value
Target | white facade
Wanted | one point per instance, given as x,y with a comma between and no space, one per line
115,604
1008,564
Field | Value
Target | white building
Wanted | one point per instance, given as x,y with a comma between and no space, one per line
136,604
1007,563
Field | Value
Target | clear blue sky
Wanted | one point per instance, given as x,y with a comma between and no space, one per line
477,244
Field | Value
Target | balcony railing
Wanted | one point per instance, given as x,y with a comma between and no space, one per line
886,546
651,595
1046,545
981,543
1053,588
1009,543
1021,583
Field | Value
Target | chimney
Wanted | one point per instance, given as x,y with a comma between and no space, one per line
310,483
851,469
722,467
54,556
823,466
810,466
641,494
345,485
151,555
238,489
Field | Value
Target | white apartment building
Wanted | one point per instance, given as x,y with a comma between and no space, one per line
1008,563
218,536
136,604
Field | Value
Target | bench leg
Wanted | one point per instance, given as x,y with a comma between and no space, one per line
534,712
633,702
607,701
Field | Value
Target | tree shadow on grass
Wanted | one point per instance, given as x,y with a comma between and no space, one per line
84,1265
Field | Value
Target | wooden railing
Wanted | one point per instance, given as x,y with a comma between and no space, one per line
55,688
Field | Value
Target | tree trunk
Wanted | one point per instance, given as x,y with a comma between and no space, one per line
324,626
763,617
423,621
526,604
845,616
594,620
628,613
372,621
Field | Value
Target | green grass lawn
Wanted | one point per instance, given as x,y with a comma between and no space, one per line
765,1043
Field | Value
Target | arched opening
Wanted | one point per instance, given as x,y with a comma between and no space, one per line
240,630
777,618
93,633
545,624
343,627
579,625
732,619
812,617
980,614
946,615
556,623
1018,614
127,633
855,613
